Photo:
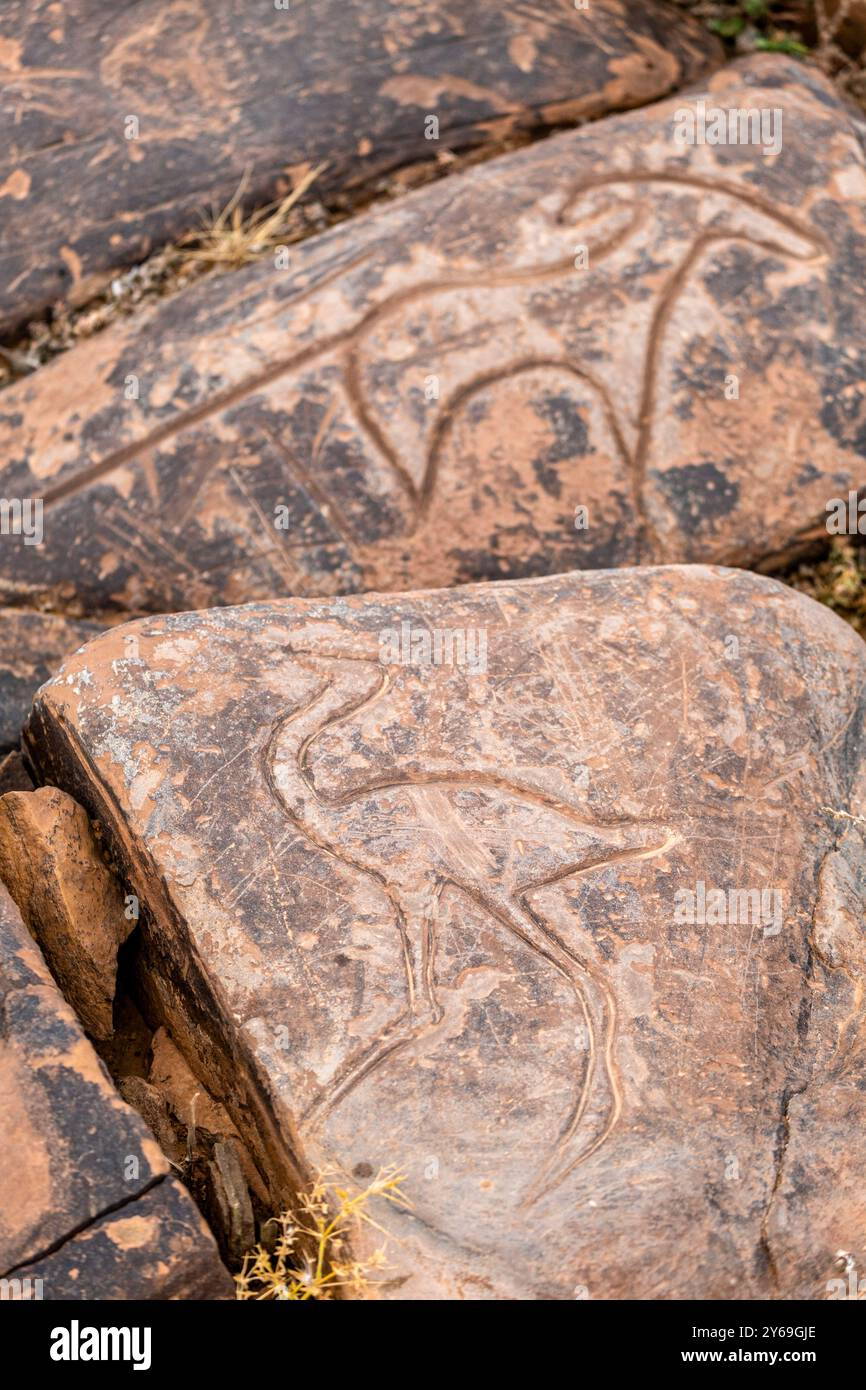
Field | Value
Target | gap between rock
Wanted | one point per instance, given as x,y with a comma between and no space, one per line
58,869
163,271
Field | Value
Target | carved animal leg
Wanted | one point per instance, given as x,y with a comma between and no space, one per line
597,1107
423,1011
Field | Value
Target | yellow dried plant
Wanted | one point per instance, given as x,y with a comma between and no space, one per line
231,238
311,1256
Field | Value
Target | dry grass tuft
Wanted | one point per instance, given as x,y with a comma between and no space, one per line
224,241
311,1257
230,238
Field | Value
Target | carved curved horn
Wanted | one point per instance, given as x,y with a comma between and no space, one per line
762,222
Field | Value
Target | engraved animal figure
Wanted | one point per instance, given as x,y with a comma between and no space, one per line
467,818
610,212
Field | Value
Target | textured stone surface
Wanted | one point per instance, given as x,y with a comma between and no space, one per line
433,914
558,388
197,1134
220,86
156,1248
14,776
32,646
72,905
83,1185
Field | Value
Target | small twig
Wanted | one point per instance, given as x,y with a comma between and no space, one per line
190,1133
829,25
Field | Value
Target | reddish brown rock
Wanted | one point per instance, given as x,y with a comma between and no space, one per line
14,776
550,893
86,1201
53,867
32,646
283,442
121,123
198,1136
156,1248
189,1102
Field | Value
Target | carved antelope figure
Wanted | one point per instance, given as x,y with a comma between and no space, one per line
609,213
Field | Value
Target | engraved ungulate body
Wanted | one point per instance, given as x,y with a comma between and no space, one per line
415,462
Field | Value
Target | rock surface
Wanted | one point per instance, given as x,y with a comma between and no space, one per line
221,87
157,1248
32,646
70,901
283,442
571,931
197,1134
86,1200
14,776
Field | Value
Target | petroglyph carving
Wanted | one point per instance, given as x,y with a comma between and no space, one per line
458,853
431,391
727,213
407,927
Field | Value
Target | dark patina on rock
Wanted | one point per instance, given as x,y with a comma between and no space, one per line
218,88
433,392
155,1248
32,646
87,1203
549,892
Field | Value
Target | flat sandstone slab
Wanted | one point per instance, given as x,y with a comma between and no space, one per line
430,393
120,124
543,891
87,1203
